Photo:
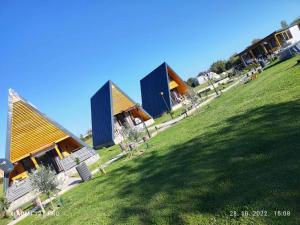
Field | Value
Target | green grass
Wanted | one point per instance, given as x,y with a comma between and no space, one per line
1,187
166,116
3,221
201,86
89,141
240,154
105,153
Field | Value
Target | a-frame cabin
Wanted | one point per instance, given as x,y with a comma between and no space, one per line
162,90
33,139
111,110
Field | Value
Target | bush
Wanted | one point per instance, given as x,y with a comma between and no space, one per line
218,66
4,205
193,82
44,181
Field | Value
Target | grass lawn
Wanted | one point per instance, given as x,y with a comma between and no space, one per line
105,153
166,116
241,154
3,221
201,86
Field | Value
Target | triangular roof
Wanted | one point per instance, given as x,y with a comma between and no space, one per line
122,102
181,85
29,130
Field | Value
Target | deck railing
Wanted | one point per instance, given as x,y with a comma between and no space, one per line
21,188
18,190
82,154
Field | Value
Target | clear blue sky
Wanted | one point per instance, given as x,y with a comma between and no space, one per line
58,53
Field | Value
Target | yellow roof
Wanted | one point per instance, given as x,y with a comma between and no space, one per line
176,81
120,101
30,130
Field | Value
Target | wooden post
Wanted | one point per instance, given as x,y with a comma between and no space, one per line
40,204
277,41
58,152
243,60
253,56
264,48
34,162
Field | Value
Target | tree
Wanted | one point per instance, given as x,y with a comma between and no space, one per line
233,61
193,82
44,181
218,66
255,40
283,24
296,21
4,205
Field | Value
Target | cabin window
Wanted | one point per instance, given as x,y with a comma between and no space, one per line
289,34
27,164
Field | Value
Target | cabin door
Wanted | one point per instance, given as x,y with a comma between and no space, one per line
48,160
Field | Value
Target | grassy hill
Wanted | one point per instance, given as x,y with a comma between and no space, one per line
240,154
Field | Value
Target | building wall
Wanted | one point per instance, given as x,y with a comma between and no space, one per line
201,79
151,87
102,120
295,33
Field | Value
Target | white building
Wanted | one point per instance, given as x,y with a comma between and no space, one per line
213,76
295,31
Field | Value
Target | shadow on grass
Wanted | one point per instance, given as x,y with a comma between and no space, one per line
251,163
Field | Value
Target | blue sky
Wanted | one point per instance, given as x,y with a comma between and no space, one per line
58,53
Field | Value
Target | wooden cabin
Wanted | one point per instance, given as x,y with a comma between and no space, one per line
112,110
162,90
33,140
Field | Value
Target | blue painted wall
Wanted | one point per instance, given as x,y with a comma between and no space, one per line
151,87
102,120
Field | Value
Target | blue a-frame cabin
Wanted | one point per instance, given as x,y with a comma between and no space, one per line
111,110
162,90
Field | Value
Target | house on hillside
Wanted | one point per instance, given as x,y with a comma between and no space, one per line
270,44
162,90
33,139
112,110
203,78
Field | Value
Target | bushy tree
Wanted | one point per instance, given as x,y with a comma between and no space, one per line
296,21
44,181
218,66
255,40
4,205
283,24
134,135
193,82
233,61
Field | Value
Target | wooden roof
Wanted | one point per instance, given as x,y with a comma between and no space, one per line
120,101
29,130
180,84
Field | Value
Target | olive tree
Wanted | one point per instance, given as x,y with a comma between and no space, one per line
4,205
44,181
